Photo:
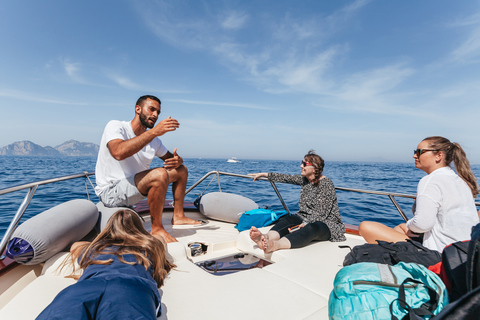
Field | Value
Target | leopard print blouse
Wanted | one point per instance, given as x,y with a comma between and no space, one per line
317,202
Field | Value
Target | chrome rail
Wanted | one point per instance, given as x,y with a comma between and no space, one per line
390,195
34,185
218,173
26,201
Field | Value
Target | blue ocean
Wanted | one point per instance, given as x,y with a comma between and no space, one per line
354,207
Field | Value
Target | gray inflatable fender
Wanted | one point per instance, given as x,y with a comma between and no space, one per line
57,228
224,206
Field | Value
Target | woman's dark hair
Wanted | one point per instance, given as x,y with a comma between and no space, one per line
454,152
317,162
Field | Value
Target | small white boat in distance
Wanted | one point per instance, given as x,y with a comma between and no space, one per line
233,160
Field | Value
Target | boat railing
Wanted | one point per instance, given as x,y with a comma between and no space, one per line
390,195
26,201
34,185
218,173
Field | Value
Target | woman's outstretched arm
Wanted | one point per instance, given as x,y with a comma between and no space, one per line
258,175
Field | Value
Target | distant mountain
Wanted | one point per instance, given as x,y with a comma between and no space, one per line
74,148
68,148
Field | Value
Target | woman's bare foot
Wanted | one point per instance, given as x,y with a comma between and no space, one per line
255,234
269,245
257,237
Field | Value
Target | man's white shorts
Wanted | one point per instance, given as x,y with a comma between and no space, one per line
121,193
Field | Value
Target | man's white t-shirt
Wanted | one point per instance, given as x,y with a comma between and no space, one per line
108,169
445,209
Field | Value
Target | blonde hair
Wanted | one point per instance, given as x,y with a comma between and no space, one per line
125,232
454,153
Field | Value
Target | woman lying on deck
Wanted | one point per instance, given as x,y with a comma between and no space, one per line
123,268
444,210
318,217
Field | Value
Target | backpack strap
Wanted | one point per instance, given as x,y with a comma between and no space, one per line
417,244
387,245
460,247
425,309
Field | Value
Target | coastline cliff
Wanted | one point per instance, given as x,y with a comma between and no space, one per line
71,148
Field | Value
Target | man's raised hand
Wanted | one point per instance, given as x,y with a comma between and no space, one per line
166,125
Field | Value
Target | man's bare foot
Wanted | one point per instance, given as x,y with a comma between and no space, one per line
162,240
164,236
184,221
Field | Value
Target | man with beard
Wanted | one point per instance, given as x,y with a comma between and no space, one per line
123,173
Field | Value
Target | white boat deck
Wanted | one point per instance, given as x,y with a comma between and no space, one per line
296,286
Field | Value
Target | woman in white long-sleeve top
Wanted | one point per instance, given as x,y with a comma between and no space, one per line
444,210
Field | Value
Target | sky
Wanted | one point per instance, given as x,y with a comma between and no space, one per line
354,80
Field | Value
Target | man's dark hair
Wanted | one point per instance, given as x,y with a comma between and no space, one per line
145,97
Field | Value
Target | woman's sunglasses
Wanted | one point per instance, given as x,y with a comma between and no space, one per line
419,152
305,164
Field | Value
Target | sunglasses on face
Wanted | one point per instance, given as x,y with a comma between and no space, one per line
306,164
419,152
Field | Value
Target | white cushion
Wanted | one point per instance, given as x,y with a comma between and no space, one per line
31,301
60,265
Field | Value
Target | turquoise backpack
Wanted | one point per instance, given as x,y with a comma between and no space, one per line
369,290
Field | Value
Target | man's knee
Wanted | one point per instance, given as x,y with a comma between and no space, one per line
182,170
159,176
179,174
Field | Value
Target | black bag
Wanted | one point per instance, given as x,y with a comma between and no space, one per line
392,253
473,259
467,307
454,268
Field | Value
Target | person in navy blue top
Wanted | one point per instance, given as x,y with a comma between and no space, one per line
123,267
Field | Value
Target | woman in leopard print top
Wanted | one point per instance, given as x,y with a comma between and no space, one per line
318,216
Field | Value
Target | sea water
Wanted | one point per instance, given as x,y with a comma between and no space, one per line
354,207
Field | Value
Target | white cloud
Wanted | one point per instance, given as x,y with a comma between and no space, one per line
473,19
234,20
469,49
27,96
292,59
303,76
123,81
72,70
371,83
221,104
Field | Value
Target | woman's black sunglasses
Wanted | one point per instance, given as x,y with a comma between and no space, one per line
419,152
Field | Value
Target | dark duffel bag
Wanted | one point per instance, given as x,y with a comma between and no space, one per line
454,269
392,253
467,307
